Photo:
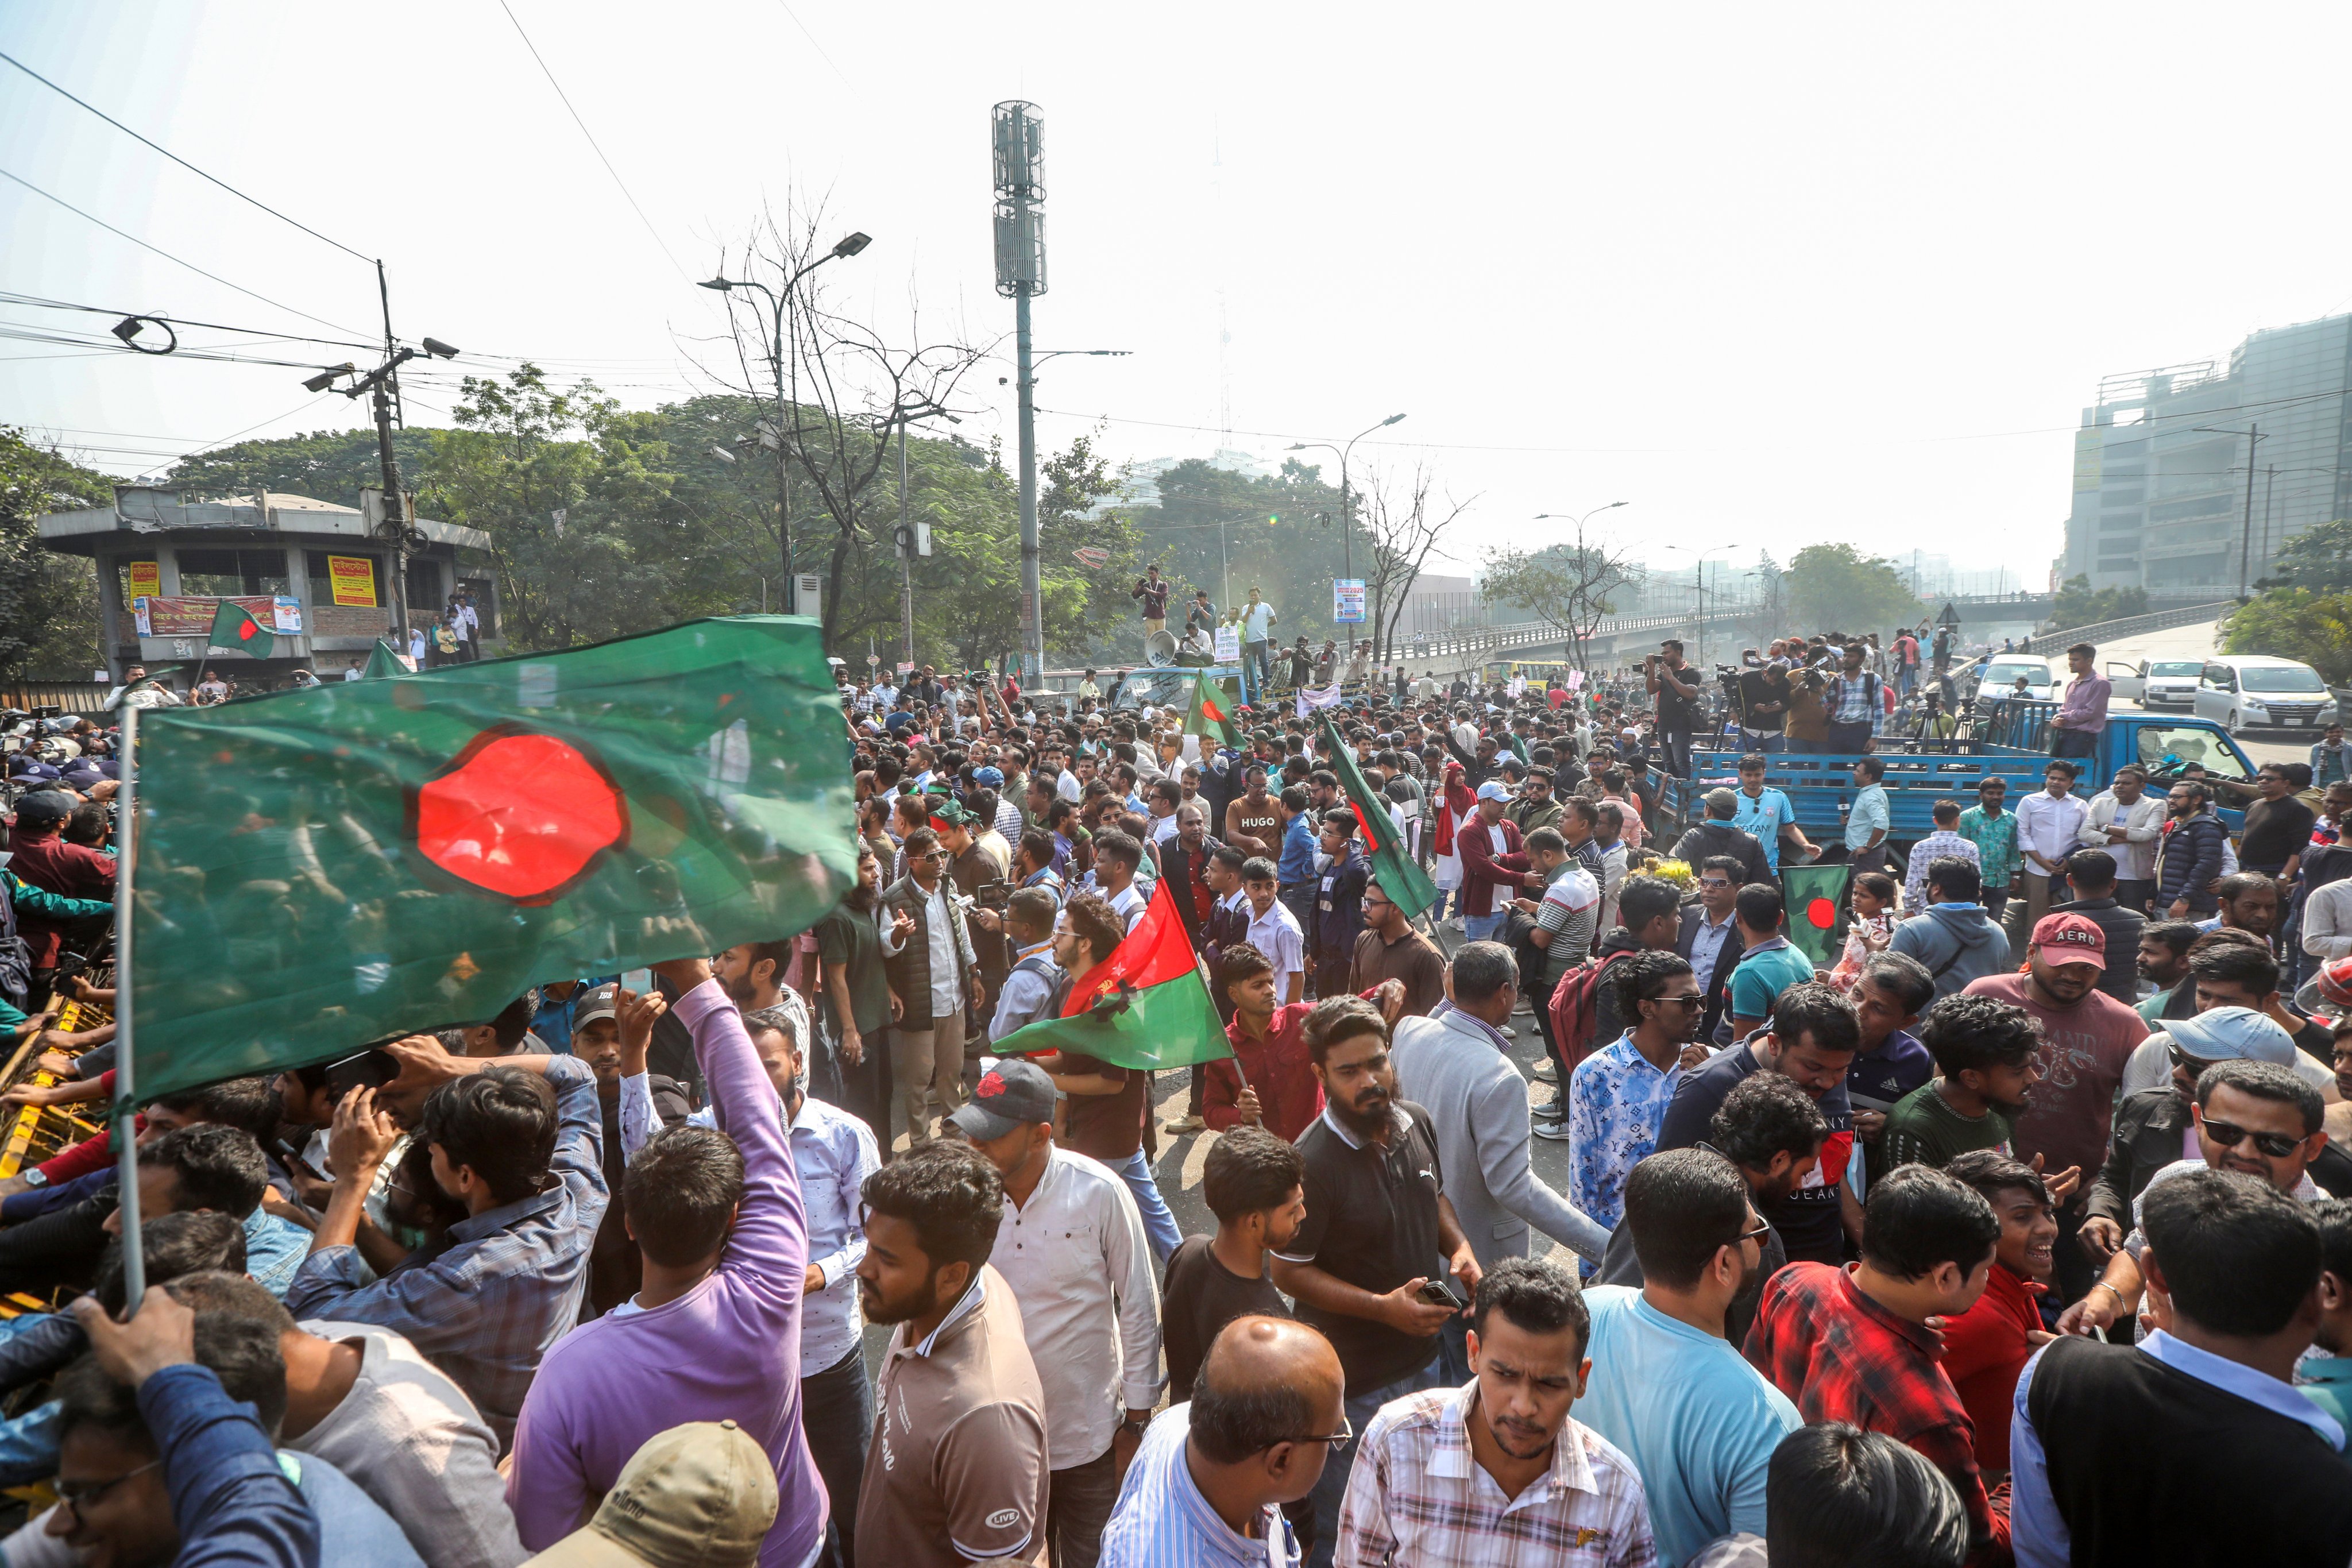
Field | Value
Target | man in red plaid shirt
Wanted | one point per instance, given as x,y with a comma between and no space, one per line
1862,1344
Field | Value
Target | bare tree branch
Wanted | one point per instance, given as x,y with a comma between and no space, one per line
1565,585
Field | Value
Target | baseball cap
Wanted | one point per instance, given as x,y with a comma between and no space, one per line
605,1001
2070,939
992,778
2233,1034
702,1495
45,809
1013,1094
1490,790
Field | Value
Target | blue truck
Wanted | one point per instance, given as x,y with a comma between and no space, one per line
2005,738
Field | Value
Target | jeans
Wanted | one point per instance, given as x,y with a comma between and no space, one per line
2073,744
1482,927
1765,741
1077,1505
1849,739
1995,901
1676,745
1331,1489
838,1417
1257,662
1158,1223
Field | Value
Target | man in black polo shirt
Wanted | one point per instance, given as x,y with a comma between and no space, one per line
1812,1036
1379,1230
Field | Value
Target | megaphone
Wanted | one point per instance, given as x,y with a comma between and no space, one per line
1160,648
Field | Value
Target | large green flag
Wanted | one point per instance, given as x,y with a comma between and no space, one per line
1213,713
321,869
383,660
1145,1006
1813,894
234,627
1408,886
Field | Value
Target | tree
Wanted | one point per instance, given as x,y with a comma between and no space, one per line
1835,587
1403,526
1568,586
1229,533
2319,558
2076,606
49,601
2297,624
326,465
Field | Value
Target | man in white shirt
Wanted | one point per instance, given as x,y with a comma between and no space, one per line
1116,857
1274,930
1072,1247
2049,828
2126,821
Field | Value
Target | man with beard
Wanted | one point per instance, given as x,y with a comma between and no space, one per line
858,998
2250,1118
1698,1422
2164,963
2088,1037
1380,1233
1984,1049
957,1471
1773,1131
1528,1358
615,1270
935,985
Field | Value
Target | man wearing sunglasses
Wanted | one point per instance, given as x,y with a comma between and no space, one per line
2252,1118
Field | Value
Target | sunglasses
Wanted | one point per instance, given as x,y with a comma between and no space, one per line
2188,1063
1756,1232
2228,1135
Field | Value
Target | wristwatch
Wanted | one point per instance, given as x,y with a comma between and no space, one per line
37,1177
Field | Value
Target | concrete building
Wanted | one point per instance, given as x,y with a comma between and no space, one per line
2160,503
290,560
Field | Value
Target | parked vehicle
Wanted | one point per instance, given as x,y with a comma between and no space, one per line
2254,691
2158,683
1999,676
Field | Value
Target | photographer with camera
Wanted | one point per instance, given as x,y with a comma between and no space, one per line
1675,687
1761,694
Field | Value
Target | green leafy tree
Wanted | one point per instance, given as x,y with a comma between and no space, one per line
1227,532
325,465
49,601
2297,624
2319,558
2075,604
1835,587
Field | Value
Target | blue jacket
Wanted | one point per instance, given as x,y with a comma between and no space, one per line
2188,862
234,1506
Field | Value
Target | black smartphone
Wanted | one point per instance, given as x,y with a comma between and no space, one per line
370,1068
1438,1293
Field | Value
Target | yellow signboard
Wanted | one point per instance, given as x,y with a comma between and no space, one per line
2090,455
352,578
146,578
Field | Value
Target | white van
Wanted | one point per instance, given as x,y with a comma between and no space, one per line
2243,691
2000,676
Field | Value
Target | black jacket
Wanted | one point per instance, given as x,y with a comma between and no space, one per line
2150,1128
1722,838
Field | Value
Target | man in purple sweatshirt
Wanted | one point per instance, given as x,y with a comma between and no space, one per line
714,1335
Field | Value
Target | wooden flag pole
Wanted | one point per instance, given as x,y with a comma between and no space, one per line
125,1132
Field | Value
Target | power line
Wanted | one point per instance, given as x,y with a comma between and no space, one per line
592,138
36,302
167,152
167,255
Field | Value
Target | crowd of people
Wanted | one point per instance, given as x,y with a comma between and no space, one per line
1926,1249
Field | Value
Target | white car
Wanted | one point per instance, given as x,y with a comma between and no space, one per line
1999,677
2249,691
2169,683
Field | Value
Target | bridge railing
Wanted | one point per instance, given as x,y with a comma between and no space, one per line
2130,626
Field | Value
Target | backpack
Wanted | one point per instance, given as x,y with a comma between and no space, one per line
1575,1009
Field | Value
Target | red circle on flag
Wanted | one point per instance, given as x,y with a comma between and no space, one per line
520,814
1823,913
245,633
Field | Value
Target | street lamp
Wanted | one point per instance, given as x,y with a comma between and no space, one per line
1347,511
1698,584
850,244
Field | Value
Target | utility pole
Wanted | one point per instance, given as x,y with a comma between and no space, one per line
906,549
1020,169
2246,535
396,521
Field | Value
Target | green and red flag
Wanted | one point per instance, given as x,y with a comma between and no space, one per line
317,871
1408,886
1146,1006
1213,713
234,627
1813,894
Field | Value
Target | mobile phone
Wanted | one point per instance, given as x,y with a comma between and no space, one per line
1438,1293
370,1068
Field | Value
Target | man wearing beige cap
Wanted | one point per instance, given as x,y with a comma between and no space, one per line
698,1496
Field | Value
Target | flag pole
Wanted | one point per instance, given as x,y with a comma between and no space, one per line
125,1134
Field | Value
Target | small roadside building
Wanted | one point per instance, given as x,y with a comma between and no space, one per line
315,572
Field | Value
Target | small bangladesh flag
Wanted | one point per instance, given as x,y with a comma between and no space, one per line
1213,713
234,627
1408,886
319,871
1146,1006
1813,894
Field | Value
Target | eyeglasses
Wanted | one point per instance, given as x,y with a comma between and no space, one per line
1339,1440
73,1495
2277,1145
1694,1000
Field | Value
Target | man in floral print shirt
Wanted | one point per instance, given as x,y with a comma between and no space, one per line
1618,1096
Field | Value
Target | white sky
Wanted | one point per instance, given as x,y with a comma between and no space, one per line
1771,275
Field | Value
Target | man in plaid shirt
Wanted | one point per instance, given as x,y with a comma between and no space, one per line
1853,1343
509,1286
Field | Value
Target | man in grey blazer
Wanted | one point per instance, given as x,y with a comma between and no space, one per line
1455,1067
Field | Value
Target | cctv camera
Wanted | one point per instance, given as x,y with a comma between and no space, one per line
438,349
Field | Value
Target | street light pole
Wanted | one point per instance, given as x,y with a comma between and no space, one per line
1347,497
779,306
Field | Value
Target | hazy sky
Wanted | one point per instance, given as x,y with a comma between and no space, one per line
1772,276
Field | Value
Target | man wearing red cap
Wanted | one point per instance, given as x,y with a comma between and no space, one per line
2088,1037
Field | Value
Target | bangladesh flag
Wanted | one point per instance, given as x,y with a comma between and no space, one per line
319,871
1408,886
1213,715
233,626
1145,1006
382,660
1813,894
